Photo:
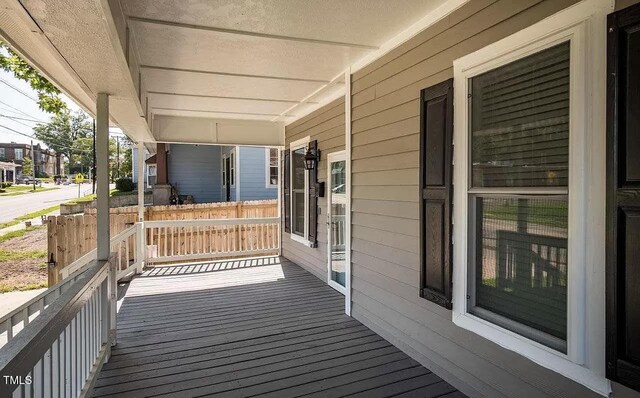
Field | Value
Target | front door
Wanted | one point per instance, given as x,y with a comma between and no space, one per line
227,179
336,220
623,197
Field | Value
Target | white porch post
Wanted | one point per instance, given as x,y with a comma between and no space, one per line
141,187
102,185
279,201
102,199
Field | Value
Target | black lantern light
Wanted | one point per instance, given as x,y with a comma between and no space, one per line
311,158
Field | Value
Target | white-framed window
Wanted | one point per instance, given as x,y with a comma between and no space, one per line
152,170
271,167
299,186
2,153
526,206
224,170
18,153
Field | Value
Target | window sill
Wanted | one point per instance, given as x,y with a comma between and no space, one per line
538,353
300,239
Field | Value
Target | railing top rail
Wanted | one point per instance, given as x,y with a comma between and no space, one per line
18,357
215,221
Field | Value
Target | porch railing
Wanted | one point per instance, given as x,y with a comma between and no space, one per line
61,350
127,257
182,240
128,250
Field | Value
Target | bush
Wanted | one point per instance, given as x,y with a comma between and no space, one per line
5,184
124,185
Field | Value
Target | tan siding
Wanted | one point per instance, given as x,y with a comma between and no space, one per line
385,219
327,126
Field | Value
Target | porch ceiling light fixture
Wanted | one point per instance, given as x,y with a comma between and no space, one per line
311,158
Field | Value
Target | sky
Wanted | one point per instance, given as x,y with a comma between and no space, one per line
18,101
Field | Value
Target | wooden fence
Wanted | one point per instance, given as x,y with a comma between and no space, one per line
71,237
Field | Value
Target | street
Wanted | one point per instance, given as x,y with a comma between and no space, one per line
15,206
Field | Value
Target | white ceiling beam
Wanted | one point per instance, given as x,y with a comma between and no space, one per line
336,81
222,112
249,33
229,98
186,129
206,72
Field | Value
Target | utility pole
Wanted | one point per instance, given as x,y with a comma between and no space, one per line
93,168
33,166
117,156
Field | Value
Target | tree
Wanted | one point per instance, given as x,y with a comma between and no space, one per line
62,132
126,165
48,95
27,166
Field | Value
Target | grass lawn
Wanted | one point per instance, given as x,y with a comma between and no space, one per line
23,259
28,216
23,189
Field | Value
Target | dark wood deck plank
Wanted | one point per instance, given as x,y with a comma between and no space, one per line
251,330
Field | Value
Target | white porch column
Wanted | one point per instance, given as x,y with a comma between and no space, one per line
141,181
142,252
102,176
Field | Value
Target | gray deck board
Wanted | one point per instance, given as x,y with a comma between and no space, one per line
267,329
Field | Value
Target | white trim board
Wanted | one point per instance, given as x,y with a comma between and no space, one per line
347,150
331,158
585,25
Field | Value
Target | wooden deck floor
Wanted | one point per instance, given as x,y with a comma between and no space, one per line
243,329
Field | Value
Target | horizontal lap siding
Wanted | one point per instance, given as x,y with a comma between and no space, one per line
327,126
195,170
385,193
253,175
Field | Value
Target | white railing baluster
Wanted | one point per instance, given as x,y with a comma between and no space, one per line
213,238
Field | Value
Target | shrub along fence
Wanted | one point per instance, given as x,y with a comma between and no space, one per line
70,237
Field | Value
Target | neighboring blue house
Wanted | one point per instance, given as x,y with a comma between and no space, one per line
211,173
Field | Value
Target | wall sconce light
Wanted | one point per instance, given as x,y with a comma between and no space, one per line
311,159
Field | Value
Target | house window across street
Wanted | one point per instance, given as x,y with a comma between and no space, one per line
272,167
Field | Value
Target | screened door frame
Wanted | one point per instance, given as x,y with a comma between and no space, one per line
584,25
331,158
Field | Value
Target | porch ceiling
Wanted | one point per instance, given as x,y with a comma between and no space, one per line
256,60
268,60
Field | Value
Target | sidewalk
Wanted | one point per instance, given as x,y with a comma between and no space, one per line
34,222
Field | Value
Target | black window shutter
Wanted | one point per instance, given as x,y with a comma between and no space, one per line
623,198
436,148
286,192
313,199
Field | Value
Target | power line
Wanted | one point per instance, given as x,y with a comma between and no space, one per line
18,110
30,136
18,90
20,118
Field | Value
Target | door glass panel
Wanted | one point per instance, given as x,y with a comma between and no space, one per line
338,212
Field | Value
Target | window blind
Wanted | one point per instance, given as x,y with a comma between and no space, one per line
520,122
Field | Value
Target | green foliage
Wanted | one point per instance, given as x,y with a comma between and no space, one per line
5,184
125,185
62,133
48,95
27,166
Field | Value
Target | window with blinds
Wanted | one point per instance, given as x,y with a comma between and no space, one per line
520,143
520,122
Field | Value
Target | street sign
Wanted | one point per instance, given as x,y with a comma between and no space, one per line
78,179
